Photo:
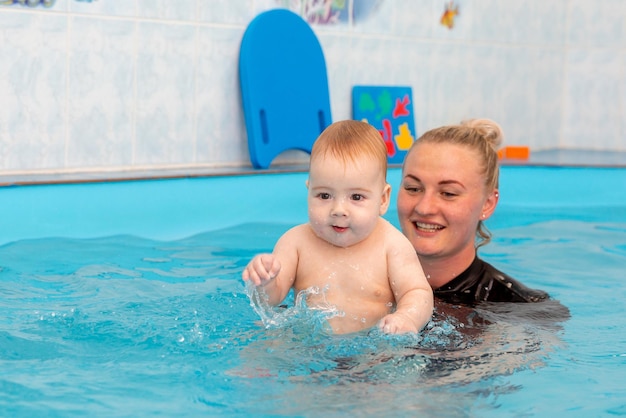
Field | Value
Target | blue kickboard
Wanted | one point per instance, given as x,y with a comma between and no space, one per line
284,85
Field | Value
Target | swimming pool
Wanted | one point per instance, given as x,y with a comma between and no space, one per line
125,299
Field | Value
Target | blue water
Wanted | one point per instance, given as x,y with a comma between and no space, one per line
138,324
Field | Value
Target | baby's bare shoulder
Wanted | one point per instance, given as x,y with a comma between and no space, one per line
298,236
394,238
389,230
300,231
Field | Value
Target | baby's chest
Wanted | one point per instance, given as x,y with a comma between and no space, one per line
350,274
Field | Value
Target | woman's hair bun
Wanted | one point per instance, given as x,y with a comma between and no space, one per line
488,129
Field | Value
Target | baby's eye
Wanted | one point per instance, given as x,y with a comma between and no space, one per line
357,197
324,196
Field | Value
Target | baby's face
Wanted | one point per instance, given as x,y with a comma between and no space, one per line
346,199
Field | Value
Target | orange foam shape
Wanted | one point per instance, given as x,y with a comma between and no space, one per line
514,153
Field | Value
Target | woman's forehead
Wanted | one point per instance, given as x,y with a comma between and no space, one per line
443,160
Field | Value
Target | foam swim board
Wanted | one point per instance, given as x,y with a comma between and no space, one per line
284,85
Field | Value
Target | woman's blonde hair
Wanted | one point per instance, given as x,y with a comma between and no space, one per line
484,137
349,140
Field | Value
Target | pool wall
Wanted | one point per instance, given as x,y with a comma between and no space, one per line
168,209
131,85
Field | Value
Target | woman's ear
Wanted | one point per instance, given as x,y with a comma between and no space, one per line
385,199
490,204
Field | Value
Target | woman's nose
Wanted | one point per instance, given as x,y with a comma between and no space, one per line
425,204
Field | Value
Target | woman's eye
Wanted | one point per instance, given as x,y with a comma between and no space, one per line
448,194
412,189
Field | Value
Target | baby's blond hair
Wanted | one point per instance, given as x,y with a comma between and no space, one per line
350,140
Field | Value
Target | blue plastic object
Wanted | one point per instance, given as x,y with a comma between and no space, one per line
390,110
284,86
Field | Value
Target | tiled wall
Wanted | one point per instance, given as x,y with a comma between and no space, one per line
134,84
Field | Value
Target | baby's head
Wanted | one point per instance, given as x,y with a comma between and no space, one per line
348,190
351,141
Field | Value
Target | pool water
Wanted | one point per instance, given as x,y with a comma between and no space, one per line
138,324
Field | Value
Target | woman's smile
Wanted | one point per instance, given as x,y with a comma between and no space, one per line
427,227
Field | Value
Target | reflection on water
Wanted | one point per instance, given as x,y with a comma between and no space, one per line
459,346
131,327
454,361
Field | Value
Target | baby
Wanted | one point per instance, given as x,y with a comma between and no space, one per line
368,269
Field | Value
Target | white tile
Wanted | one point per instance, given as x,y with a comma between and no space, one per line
101,92
32,90
168,9
592,116
239,12
123,83
126,8
165,94
416,19
598,22
221,136
547,66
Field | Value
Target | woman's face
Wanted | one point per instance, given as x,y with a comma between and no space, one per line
442,198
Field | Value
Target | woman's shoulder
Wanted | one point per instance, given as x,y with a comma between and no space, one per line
509,288
482,282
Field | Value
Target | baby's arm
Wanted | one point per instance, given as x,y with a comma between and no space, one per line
414,296
261,269
275,272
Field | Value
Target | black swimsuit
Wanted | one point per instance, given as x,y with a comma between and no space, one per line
481,282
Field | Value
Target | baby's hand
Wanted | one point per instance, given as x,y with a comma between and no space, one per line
397,323
261,269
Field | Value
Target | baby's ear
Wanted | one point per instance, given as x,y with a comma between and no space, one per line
385,199
306,183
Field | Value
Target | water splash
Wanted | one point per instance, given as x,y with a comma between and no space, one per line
280,316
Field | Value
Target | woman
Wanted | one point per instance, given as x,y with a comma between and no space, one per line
449,188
